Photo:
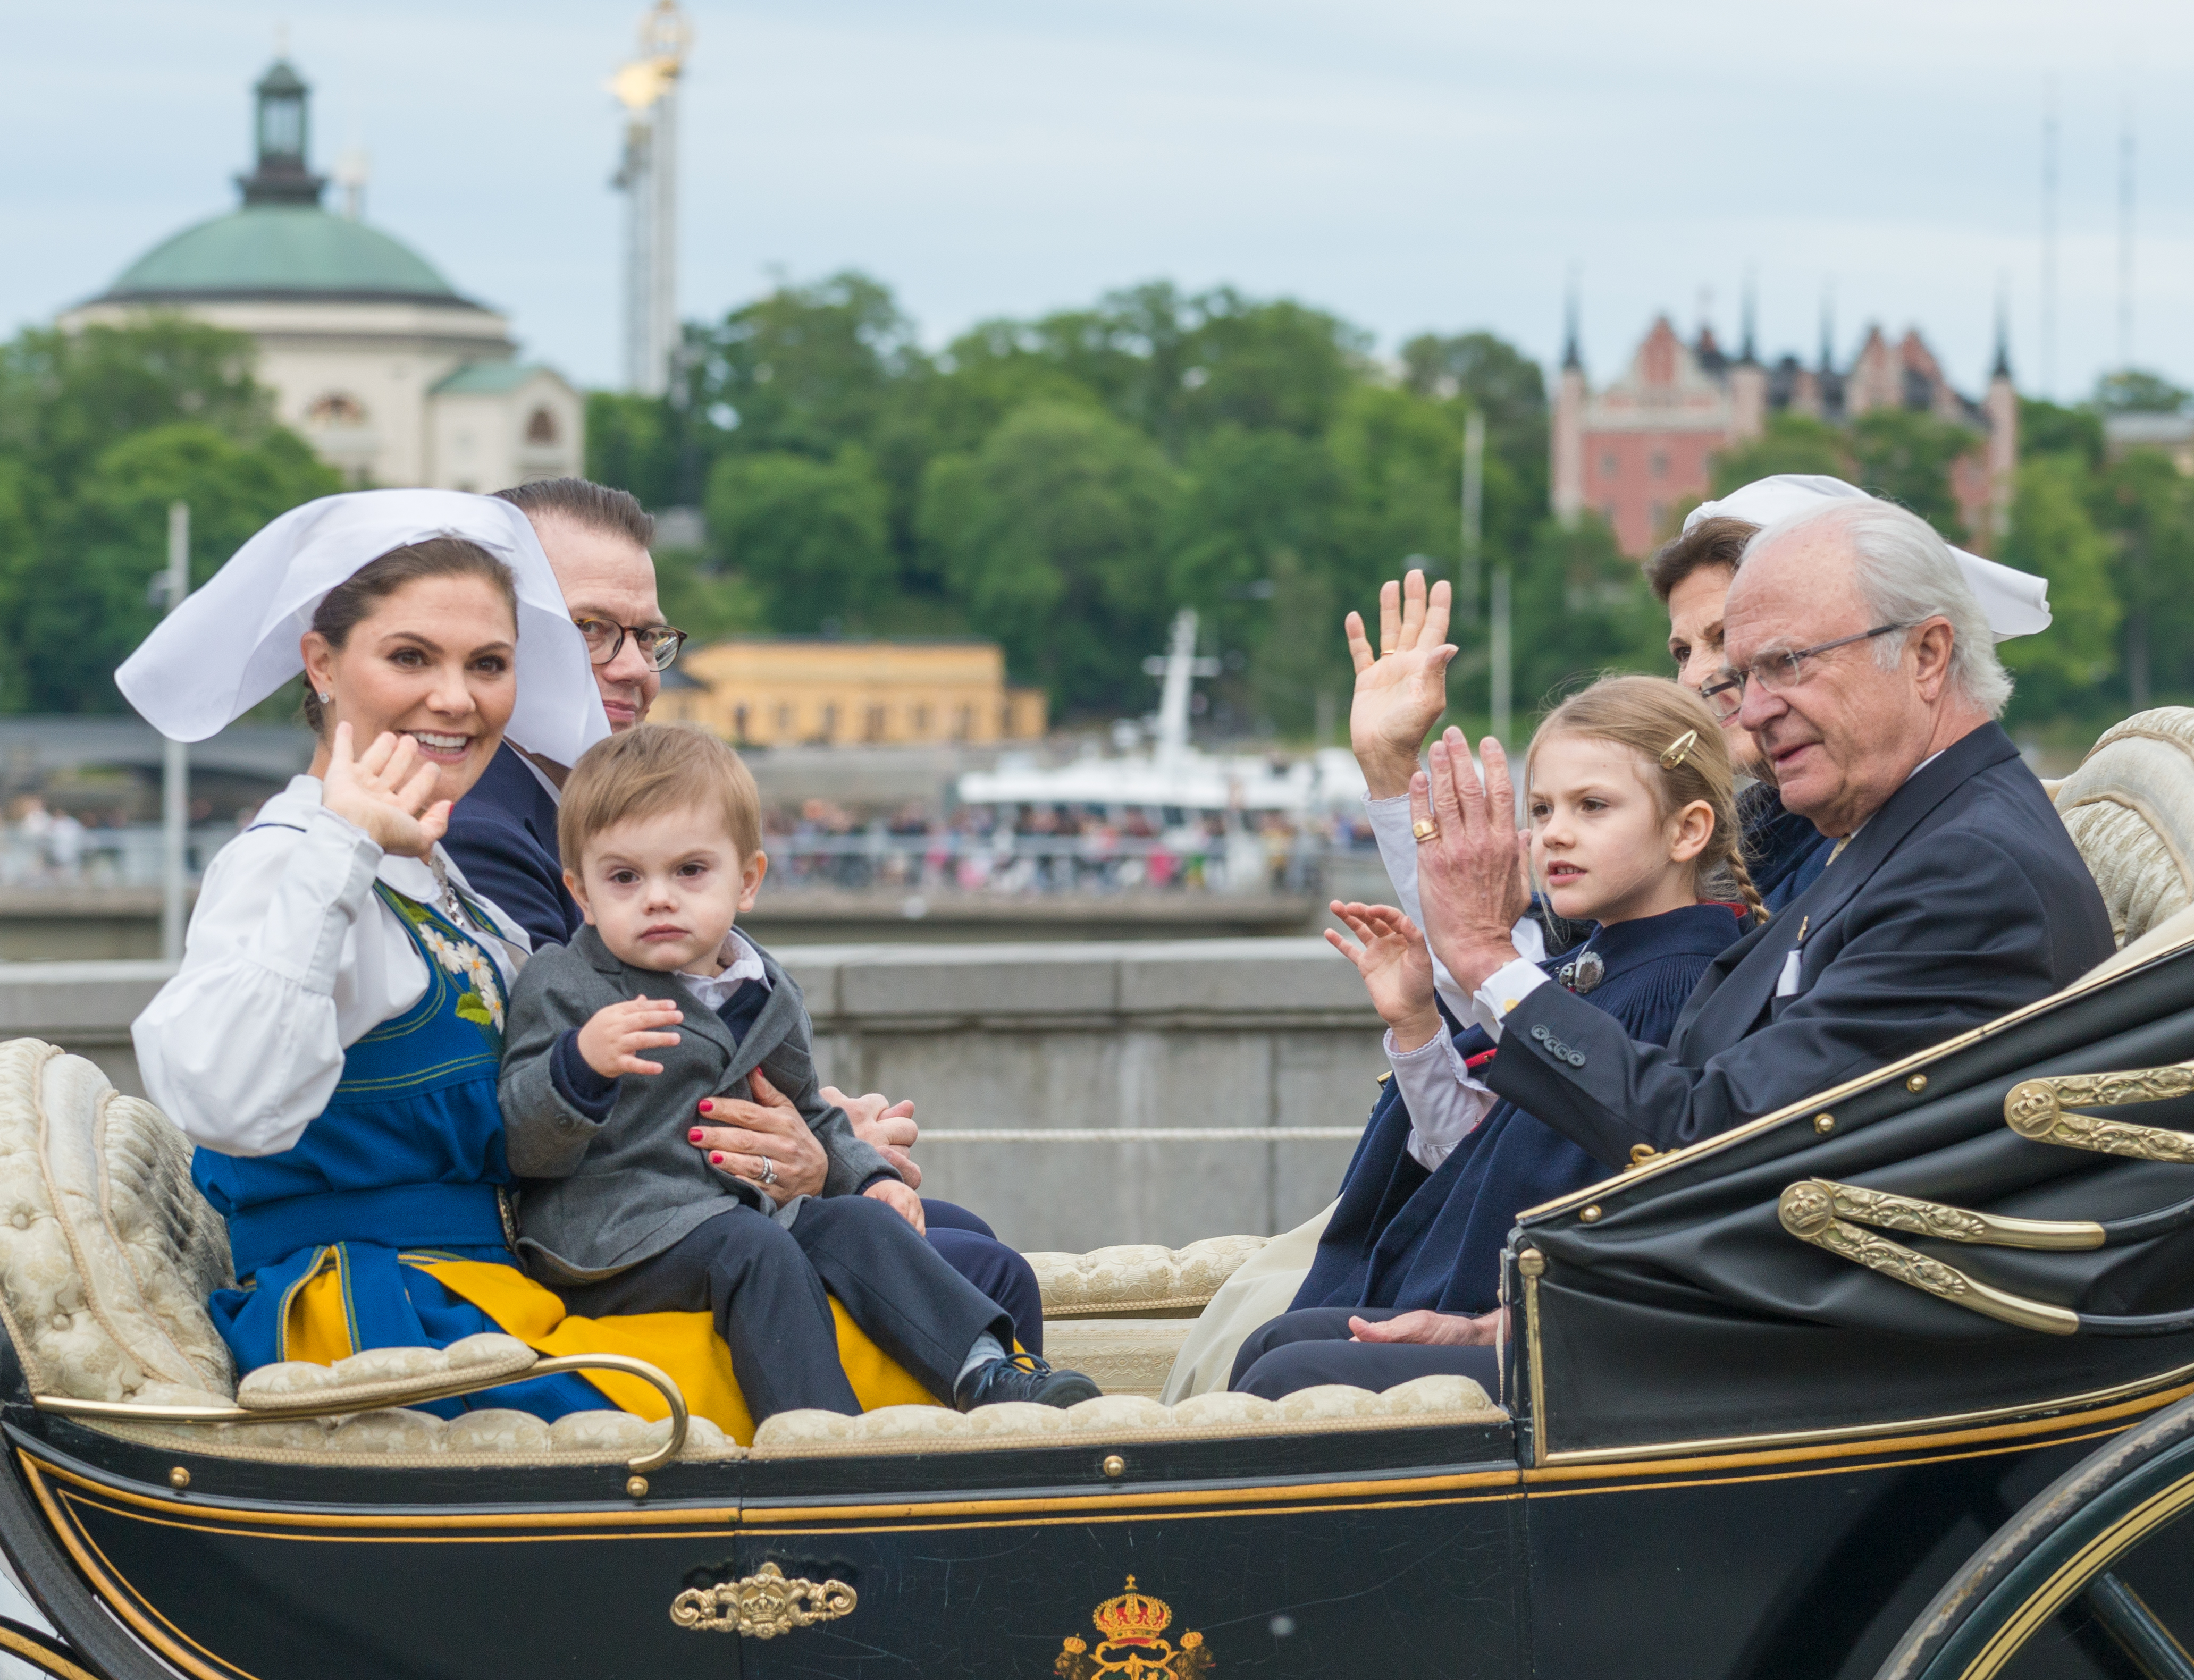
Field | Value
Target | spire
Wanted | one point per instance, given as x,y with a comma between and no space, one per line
1828,329
1749,353
2002,368
1571,356
282,135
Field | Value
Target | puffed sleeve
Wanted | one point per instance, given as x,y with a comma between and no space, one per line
243,1047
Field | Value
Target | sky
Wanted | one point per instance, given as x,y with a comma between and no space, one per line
1407,164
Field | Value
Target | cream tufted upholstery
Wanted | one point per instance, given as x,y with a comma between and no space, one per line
1138,1280
2130,808
1125,1419
107,1252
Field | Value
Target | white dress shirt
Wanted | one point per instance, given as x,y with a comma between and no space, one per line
742,963
289,960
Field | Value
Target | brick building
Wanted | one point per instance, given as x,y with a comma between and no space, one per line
1641,450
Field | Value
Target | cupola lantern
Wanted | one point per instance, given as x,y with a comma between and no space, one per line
281,135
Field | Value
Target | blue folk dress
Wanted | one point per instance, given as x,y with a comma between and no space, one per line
399,1172
1404,1236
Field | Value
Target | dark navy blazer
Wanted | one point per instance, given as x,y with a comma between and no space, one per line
1404,1237
502,835
1961,899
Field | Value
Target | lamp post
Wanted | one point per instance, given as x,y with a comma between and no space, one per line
176,761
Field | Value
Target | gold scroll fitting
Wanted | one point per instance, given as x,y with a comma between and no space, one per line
1807,1210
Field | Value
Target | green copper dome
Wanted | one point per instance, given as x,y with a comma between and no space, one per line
282,250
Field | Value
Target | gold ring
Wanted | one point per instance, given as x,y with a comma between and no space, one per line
1424,829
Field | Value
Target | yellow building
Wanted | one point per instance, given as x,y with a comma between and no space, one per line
798,691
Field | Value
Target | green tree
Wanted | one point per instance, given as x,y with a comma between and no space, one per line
805,370
1581,608
808,536
1907,456
2131,391
2052,533
65,397
74,623
2045,429
1255,541
636,444
19,560
1051,534
1790,443
2147,508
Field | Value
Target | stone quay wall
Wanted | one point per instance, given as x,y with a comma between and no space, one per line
1088,1042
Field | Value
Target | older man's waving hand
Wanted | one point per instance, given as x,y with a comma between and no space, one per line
1862,663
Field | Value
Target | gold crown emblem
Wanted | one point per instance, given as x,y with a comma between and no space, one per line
1133,1615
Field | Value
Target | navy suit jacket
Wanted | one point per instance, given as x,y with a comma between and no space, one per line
1961,899
502,835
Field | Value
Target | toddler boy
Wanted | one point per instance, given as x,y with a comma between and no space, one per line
658,1003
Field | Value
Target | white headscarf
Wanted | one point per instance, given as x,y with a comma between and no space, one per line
235,641
2017,603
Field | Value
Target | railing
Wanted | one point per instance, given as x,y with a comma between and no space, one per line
1009,864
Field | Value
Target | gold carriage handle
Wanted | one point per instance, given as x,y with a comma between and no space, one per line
354,1397
762,1605
2038,1109
1892,1212
1808,1212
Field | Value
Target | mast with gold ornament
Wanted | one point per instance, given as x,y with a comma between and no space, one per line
647,175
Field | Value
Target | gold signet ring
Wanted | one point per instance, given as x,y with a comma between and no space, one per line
1424,829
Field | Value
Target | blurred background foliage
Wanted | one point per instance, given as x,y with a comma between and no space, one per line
1062,485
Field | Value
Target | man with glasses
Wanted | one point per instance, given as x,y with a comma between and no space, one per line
1859,657
503,833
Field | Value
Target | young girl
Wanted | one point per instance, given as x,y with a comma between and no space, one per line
1633,812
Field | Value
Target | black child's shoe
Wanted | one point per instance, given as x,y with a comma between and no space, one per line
1022,1376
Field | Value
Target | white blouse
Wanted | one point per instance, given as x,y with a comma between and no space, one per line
1446,1101
290,960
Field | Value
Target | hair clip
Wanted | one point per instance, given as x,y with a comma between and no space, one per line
1679,750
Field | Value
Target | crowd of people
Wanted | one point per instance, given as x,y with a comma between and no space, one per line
468,1036
1057,848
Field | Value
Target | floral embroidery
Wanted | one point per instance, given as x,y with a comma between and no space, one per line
482,1001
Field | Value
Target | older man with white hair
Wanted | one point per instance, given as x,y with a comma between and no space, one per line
1859,658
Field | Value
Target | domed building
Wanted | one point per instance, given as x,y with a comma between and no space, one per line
394,377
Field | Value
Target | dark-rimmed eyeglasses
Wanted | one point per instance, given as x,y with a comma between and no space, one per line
658,644
1776,672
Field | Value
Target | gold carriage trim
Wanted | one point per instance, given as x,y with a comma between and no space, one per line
1807,1210
763,1605
1131,1648
2036,1109
1892,1212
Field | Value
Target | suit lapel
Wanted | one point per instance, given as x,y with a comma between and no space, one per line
641,981
1743,980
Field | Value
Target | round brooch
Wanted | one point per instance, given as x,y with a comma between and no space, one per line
1585,972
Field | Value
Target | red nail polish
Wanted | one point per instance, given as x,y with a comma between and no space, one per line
706,1107
716,1160
694,1136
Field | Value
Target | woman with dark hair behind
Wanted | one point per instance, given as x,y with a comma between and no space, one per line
1691,575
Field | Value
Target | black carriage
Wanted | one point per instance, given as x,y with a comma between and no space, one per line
1892,1382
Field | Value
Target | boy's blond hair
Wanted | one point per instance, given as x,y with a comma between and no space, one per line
649,769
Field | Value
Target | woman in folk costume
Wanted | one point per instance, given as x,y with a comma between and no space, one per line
331,1041
1633,812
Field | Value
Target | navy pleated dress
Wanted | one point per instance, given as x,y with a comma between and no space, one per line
1403,1237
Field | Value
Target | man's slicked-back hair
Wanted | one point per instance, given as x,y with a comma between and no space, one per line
649,769
595,508
1906,573
1719,542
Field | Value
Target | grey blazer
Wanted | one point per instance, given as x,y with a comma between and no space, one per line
595,1197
